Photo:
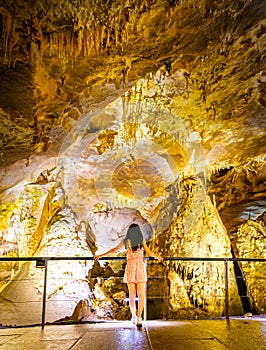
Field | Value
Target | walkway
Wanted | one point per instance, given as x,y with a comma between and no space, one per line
237,334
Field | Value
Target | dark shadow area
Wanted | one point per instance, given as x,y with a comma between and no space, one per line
242,288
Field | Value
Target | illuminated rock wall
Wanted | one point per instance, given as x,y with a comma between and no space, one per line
195,288
250,243
154,110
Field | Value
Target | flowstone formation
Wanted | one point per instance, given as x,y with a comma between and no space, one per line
48,228
150,111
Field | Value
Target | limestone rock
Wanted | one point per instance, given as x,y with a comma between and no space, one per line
250,243
117,113
104,305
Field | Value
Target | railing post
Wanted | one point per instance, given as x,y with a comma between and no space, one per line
145,294
44,292
226,289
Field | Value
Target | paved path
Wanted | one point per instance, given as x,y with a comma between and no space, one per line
237,334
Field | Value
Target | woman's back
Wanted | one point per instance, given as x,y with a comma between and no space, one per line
134,255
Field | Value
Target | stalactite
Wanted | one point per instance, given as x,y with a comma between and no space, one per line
125,33
50,43
62,44
78,34
79,39
116,36
102,37
7,33
97,38
108,34
70,44
87,41
13,42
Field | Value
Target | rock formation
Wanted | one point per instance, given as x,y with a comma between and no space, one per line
112,112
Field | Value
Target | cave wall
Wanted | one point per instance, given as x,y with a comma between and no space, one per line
69,75
189,289
252,246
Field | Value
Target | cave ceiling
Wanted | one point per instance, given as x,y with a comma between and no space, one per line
61,60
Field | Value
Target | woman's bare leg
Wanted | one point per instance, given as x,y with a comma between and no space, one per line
141,297
132,295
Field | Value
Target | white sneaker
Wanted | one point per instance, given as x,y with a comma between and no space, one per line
139,321
134,319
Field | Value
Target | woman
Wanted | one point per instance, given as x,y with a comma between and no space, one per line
135,273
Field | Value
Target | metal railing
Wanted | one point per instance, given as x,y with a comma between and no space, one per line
44,262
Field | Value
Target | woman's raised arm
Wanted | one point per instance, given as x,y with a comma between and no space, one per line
150,253
110,251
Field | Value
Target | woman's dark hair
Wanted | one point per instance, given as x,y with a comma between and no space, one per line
135,236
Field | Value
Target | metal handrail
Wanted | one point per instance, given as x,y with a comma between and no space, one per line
52,258
43,262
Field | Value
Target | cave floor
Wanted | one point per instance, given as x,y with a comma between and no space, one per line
238,333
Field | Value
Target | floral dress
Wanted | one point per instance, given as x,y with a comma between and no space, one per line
135,270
